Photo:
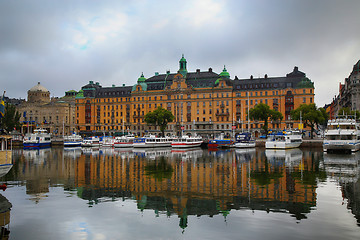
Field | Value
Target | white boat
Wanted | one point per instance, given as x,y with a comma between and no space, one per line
107,142
123,142
5,154
186,142
152,141
244,140
91,142
284,140
73,140
342,134
40,138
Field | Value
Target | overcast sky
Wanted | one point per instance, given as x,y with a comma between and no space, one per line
65,44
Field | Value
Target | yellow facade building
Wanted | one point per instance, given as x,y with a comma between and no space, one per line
203,102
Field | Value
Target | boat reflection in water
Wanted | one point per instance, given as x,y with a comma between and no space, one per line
345,170
152,153
187,154
291,157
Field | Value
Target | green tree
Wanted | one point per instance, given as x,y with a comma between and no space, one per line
263,112
159,117
310,115
11,119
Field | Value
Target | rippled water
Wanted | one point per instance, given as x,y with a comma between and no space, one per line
175,194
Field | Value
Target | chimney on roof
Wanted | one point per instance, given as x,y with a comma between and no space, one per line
296,69
210,69
156,73
167,72
251,77
123,84
198,70
236,78
265,76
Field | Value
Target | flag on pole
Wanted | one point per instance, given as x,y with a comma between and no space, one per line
2,106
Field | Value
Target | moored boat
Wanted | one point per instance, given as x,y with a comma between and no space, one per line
244,140
152,141
284,140
91,142
40,138
107,142
73,140
5,154
220,142
123,142
186,142
342,134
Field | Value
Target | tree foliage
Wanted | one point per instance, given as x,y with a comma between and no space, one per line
310,115
263,112
159,117
11,119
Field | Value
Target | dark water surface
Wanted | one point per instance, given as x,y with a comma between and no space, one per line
196,194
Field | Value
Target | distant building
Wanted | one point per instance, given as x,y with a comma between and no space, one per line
203,102
57,115
349,93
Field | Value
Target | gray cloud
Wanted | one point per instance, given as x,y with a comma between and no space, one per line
64,45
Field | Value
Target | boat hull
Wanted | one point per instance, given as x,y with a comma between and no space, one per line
281,145
37,145
244,145
338,145
186,145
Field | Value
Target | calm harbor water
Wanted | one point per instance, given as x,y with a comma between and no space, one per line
58,193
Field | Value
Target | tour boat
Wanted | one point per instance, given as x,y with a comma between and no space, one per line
40,138
91,142
186,142
283,140
123,142
107,142
73,140
342,134
220,142
5,154
244,140
152,141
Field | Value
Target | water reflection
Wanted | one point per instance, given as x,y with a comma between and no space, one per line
345,170
185,183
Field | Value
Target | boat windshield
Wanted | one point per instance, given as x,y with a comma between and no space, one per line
343,126
340,137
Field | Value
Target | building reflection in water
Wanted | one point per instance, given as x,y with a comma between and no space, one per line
197,182
345,169
192,182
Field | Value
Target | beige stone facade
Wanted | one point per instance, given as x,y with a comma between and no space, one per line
57,115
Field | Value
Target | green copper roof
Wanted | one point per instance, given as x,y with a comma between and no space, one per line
141,78
305,83
80,94
142,84
225,73
182,68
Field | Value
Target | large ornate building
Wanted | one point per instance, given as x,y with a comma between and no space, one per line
57,115
349,93
203,102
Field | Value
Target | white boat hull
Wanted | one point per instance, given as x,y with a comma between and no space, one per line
244,145
352,146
